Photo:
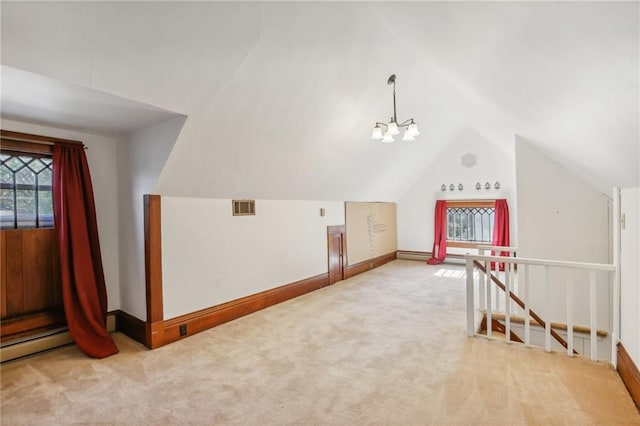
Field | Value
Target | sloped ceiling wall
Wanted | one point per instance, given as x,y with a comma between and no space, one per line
281,97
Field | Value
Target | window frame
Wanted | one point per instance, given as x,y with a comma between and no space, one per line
467,204
24,144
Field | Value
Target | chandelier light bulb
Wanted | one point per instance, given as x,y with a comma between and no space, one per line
408,137
388,137
393,128
413,129
377,133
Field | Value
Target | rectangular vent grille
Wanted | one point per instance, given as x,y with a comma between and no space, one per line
244,207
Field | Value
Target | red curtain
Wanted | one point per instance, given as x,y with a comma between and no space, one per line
501,229
439,252
83,288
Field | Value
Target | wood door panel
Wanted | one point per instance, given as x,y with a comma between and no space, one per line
56,298
335,243
3,275
30,272
38,283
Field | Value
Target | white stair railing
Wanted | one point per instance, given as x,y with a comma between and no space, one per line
484,285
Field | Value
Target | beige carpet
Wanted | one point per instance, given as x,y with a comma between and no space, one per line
385,347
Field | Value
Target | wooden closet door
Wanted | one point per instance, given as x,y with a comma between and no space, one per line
335,242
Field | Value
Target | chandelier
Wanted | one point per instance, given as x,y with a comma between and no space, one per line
393,128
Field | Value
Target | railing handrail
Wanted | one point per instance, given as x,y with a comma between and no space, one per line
544,262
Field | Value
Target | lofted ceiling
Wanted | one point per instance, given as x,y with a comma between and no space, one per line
281,97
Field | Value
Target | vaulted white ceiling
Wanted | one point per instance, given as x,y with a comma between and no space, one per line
281,97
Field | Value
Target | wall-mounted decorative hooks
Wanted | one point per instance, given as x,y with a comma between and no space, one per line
478,186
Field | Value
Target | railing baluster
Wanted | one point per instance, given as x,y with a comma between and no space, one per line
527,314
547,328
569,312
487,290
470,302
513,282
507,301
481,287
514,288
496,289
487,266
592,311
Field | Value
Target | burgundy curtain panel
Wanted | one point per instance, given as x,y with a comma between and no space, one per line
501,229
83,287
439,252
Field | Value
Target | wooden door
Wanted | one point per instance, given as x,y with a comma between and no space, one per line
335,243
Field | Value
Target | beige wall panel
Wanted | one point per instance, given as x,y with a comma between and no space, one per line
371,230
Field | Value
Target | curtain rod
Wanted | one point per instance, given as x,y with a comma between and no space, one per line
43,140
47,143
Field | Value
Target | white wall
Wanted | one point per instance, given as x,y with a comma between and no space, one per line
416,206
140,160
630,273
561,217
102,159
211,257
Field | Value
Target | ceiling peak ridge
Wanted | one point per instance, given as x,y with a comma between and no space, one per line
243,64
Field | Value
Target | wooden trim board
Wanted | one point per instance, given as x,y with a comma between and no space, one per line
131,326
198,321
629,373
153,269
358,268
516,319
471,203
19,136
31,324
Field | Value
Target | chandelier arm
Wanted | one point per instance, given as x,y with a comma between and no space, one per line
383,124
406,123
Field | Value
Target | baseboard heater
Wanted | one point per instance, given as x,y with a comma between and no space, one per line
424,256
34,344
37,343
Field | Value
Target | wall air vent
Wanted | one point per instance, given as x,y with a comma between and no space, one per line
244,207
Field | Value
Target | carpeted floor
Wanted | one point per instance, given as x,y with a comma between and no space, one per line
385,347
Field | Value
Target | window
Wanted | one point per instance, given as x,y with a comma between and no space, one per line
470,222
25,190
